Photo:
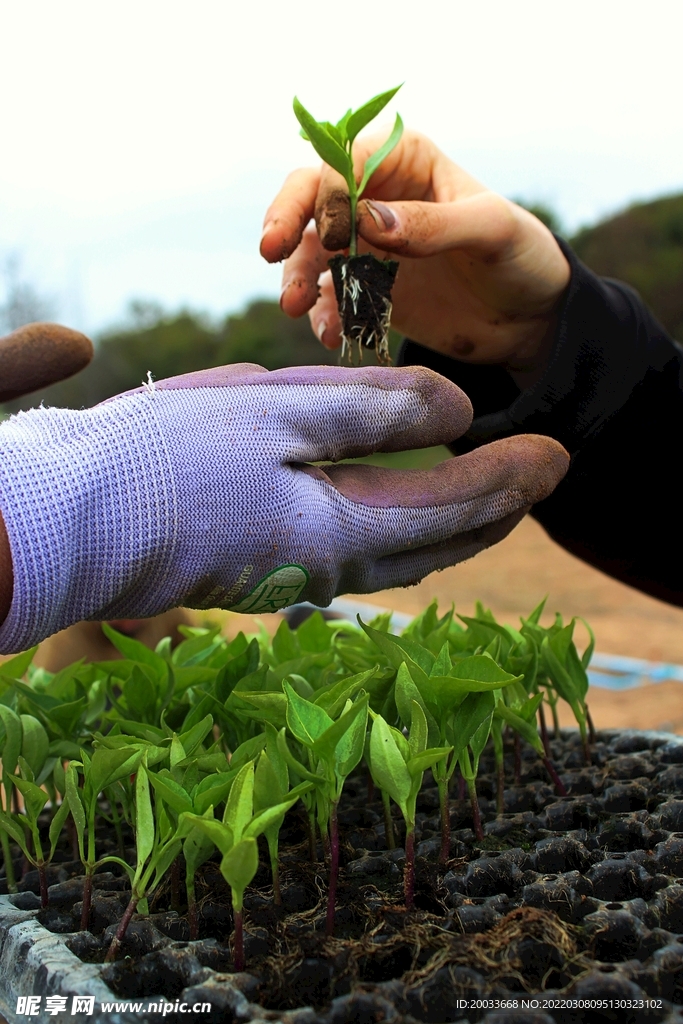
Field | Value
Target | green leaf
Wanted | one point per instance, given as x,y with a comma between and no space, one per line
240,805
239,865
163,860
356,121
14,735
469,716
271,707
108,766
373,162
405,692
197,849
74,799
389,769
213,790
15,832
35,798
417,738
306,721
249,750
144,817
349,749
35,743
333,698
136,651
327,148
419,764
16,667
168,790
295,765
401,648
196,735
267,788
525,729
326,745
264,819
57,824
219,833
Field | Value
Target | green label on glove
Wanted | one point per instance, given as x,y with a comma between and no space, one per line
279,588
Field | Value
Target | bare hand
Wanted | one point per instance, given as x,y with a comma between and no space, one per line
481,279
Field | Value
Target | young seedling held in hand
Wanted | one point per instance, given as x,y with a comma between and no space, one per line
362,283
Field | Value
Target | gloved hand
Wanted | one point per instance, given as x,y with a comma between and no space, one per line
196,491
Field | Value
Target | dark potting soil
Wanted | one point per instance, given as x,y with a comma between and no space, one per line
566,900
362,285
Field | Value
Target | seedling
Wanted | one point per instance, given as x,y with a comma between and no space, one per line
235,837
362,283
335,749
398,766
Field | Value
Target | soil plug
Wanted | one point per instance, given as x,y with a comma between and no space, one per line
398,766
362,283
336,747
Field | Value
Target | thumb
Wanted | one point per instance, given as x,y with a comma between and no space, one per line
37,355
483,222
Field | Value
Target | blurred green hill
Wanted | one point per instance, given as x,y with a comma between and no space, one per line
644,247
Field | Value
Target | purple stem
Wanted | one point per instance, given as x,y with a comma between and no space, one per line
476,816
192,919
42,877
544,731
555,778
444,802
113,950
591,727
87,901
312,851
409,870
334,870
238,956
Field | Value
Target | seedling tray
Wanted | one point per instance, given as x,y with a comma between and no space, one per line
566,901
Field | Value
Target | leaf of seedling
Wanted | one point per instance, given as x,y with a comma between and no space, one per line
475,710
388,764
16,668
400,649
526,729
13,738
333,698
239,807
325,746
15,831
35,743
373,162
306,721
405,692
35,798
269,707
327,147
144,818
355,121
173,794
238,867
56,825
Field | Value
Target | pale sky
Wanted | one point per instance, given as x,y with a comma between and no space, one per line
142,141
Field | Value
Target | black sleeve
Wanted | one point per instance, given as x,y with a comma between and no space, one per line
612,394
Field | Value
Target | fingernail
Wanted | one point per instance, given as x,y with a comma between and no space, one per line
322,327
266,228
284,292
383,216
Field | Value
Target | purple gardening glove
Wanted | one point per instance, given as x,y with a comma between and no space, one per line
196,491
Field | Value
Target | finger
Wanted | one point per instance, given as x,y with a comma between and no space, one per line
324,316
483,223
288,214
38,355
523,470
301,273
409,567
331,412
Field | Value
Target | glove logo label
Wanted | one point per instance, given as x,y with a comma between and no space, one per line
279,588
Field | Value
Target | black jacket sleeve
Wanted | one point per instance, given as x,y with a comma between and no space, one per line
612,394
